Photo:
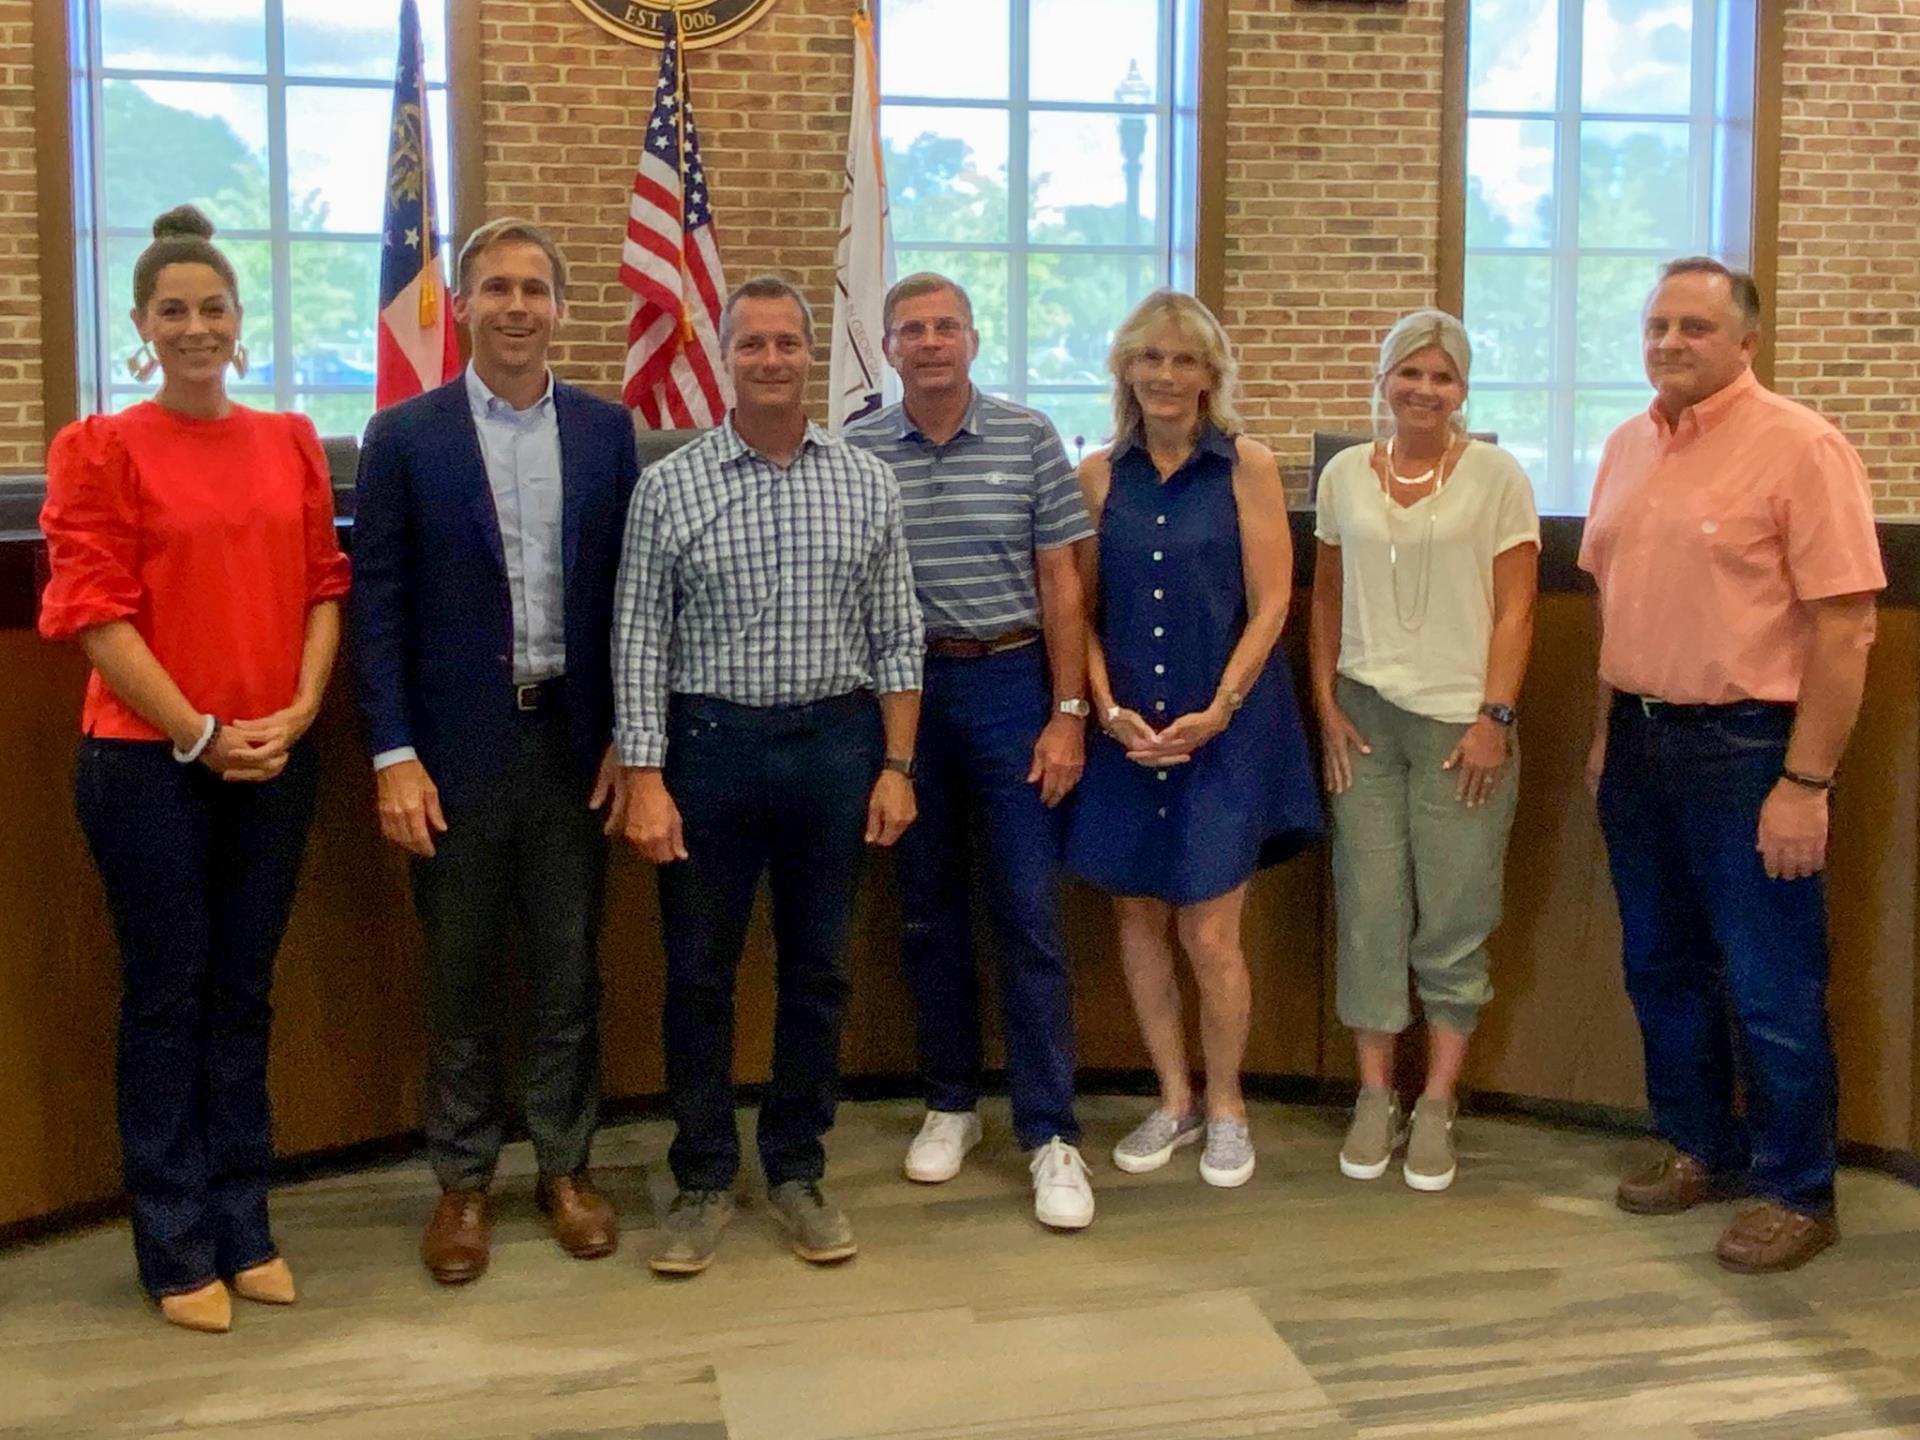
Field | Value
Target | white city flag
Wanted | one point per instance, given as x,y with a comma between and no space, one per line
859,380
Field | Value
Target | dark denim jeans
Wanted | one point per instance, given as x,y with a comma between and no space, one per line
523,856
780,791
200,877
1727,969
979,719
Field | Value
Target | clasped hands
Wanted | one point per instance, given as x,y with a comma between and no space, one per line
1173,745
255,750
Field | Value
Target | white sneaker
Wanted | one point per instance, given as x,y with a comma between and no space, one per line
943,1142
1062,1194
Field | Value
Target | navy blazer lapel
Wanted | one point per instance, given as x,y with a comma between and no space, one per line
469,469
573,477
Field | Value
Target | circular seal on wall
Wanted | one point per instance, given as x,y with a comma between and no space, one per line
702,22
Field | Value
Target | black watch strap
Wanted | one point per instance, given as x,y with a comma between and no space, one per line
1498,714
900,767
1806,781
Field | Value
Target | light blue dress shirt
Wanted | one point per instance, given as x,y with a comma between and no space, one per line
521,452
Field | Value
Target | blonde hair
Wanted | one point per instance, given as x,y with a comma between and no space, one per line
1421,330
1197,325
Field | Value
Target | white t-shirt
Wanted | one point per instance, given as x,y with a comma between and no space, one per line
1424,649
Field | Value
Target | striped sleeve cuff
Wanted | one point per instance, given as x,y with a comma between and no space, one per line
641,749
898,672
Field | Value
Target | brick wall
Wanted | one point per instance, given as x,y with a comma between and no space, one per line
1333,156
1848,307
1332,194
21,412
566,103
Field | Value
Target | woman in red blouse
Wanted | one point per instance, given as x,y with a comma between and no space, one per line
193,558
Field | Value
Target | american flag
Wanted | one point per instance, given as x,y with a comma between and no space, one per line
672,265
415,347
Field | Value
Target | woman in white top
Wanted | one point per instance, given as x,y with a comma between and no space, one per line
1423,595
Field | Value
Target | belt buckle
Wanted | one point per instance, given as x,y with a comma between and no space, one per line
526,698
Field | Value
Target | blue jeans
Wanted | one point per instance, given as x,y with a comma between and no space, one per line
1726,968
779,791
979,719
200,877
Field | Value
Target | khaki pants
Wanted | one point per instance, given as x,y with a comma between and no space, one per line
1416,874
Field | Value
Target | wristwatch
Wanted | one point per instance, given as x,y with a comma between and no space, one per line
1075,707
900,767
1498,714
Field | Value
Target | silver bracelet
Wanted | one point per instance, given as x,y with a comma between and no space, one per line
207,732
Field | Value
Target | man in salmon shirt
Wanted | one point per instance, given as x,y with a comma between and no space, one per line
1731,536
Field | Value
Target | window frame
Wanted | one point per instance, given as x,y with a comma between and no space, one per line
79,377
1743,37
1181,242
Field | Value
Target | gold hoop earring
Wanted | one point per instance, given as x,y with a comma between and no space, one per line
239,360
142,363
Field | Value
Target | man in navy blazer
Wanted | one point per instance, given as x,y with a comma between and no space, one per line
487,537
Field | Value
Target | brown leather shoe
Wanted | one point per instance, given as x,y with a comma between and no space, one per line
1768,1237
1672,1183
582,1218
459,1237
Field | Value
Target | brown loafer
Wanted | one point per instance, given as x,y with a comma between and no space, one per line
582,1218
1671,1183
1769,1237
459,1237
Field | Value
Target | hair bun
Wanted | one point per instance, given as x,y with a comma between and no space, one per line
183,220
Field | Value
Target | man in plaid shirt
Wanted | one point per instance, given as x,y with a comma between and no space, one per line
765,600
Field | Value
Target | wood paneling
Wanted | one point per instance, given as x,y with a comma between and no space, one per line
348,1045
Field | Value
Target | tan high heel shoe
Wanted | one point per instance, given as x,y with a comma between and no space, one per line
210,1308
268,1283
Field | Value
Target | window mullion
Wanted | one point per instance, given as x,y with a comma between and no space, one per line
102,363
1564,286
1700,136
1019,119
279,209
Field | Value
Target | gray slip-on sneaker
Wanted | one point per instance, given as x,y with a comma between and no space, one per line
1228,1159
1430,1160
1151,1143
1371,1139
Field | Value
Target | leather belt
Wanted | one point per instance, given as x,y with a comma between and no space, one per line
538,696
965,647
1655,708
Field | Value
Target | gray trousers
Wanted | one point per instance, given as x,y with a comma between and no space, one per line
1416,874
524,857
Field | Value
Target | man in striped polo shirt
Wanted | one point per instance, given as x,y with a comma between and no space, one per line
993,518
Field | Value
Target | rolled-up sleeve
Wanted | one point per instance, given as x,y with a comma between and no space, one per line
91,521
328,573
896,635
643,628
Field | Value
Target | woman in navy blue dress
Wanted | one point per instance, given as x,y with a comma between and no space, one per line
1202,774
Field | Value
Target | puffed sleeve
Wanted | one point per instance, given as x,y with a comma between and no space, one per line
327,566
92,523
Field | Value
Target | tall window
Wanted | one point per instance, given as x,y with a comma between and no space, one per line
1603,137
271,116
1041,153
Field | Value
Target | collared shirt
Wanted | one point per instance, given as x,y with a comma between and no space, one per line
1706,537
759,585
978,509
521,449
